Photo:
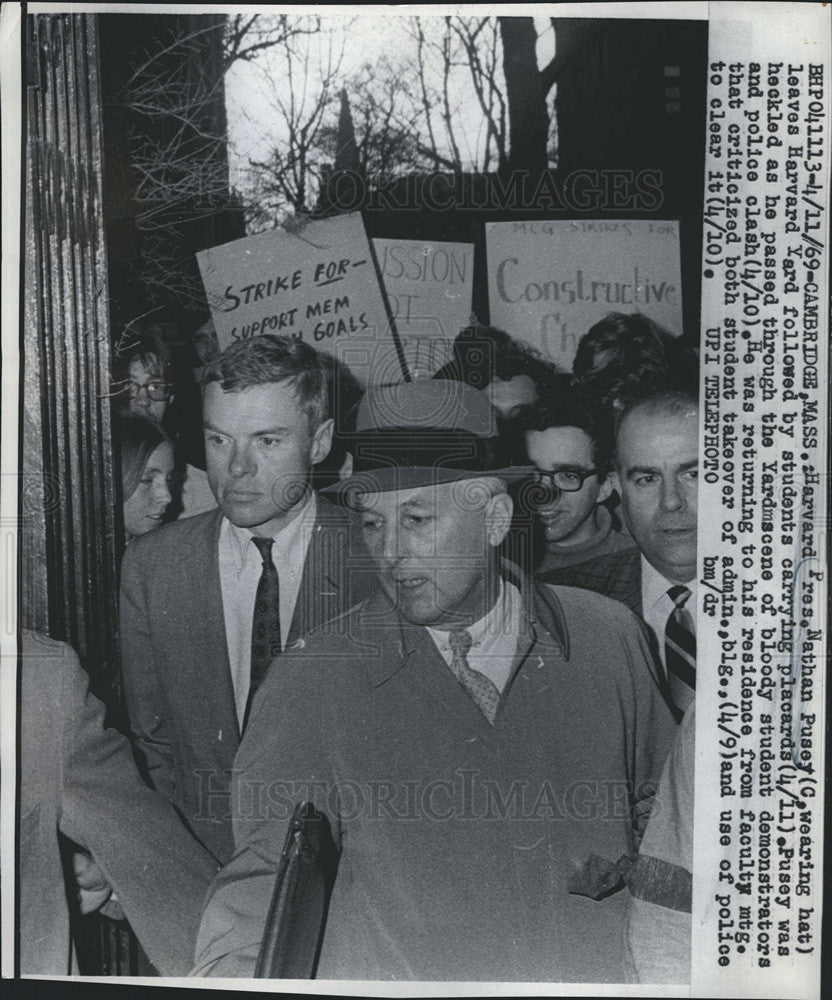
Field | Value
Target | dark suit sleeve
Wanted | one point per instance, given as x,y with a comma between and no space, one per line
146,705
282,760
158,871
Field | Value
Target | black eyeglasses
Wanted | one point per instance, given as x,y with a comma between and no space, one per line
563,480
157,389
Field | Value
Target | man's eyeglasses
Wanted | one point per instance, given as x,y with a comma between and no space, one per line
157,390
563,480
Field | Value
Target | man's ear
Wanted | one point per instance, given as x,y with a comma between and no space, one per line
321,442
615,482
606,488
346,466
498,515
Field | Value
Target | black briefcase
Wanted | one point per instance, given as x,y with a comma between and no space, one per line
297,915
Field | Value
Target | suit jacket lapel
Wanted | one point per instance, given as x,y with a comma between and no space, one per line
655,641
319,597
633,584
209,658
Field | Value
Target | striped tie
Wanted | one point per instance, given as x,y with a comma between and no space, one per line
680,649
484,693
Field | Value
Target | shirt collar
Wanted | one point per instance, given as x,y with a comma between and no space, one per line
495,622
539,607
654,586
239,539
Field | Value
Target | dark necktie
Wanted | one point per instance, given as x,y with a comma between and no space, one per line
265,629
680,649
483,691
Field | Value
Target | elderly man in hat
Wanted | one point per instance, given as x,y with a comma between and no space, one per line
483,748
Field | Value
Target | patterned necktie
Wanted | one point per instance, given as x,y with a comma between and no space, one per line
265,629
483,691
680,649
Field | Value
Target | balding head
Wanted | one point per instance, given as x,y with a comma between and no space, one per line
656,473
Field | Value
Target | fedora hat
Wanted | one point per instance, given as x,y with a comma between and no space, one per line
423,433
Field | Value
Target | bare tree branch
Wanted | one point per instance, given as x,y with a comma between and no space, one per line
312,62
446,108
549,73
249,35
482,64
426,102
411,109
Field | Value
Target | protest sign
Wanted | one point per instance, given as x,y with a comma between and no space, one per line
429,288
549,282
316,283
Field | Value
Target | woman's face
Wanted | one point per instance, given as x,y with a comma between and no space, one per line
143,510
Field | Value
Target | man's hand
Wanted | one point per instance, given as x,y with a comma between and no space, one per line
93,888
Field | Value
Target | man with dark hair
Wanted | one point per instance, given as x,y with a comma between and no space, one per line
482,747
625,356
510,373
143,375
569,448
656,464
207,603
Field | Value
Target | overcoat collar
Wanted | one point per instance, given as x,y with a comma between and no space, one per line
396,640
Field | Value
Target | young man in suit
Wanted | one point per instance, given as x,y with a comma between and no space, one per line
483,747
656,470
209,602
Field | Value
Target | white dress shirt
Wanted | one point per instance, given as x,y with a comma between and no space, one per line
494,638
656,605
241,567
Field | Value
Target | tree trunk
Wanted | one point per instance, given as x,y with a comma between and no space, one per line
527,114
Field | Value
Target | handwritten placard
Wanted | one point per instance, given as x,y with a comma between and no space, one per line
429,287
316,283
549,282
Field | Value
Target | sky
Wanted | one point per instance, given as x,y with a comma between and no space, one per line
251,87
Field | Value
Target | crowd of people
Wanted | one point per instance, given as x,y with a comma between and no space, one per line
455,614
